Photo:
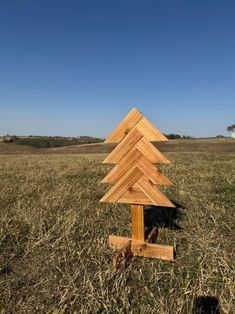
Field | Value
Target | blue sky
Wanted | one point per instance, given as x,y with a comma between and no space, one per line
70,67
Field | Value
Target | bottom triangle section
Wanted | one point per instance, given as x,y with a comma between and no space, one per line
135,196
145,193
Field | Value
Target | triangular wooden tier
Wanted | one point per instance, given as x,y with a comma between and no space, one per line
135,139
135,188
135,177
136,120
140,161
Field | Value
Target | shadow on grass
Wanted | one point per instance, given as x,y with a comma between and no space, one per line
206,305
163,217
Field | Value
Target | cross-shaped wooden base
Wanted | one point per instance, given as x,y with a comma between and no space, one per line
137,245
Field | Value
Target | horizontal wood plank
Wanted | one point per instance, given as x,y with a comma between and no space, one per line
163,252
144,249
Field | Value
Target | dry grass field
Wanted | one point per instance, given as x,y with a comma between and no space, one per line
54,256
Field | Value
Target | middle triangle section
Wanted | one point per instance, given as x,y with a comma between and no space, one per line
135,139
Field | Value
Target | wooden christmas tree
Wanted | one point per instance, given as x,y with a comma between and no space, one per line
135,181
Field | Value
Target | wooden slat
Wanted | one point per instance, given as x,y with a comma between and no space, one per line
117,242
127,162
136,196
150,132
124,147
136,159
152,173
140,248
127,124
163,252
137,220
153,193
151,152
122,186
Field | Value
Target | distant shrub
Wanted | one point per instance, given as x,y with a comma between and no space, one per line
173,136
54,141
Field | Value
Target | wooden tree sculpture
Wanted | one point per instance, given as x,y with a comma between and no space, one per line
135,181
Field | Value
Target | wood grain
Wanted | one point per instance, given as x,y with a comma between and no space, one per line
139,248
136,159
122,186
127,124
163,252
151,152
136,195
153,193
127,162
124,147
137,221
149,131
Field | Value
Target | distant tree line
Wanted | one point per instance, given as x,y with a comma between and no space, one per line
50,141
173,136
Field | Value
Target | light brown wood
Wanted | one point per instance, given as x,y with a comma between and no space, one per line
135,180
136,159
124,147
137,221
152,173
164,252
117,242
121,257
127,124
127,162
149,131
122,186
134,193
151,152
139,248
153,193
123,190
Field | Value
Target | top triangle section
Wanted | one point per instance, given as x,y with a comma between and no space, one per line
136,120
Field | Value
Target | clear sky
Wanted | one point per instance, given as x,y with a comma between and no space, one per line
76,67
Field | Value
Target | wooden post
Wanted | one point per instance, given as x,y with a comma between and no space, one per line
137,219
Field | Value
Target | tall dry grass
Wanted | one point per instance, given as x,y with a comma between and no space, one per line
54,256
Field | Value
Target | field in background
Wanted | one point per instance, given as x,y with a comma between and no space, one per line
54,256
182,145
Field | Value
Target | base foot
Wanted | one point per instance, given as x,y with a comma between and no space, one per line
128,246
